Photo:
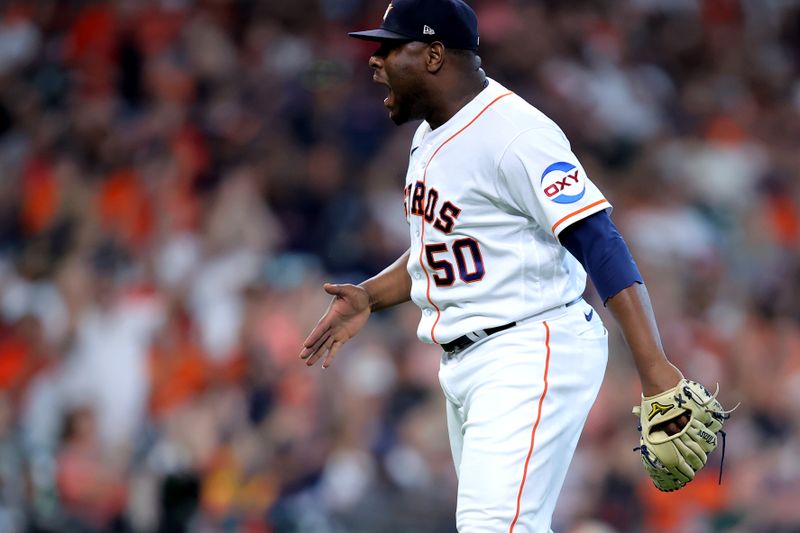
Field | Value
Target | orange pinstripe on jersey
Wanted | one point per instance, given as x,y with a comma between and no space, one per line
577,212
422,221
535,425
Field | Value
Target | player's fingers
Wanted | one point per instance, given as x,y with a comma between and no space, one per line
673,426
320,331
344,291
305,353
316,347
335,289
677,425
332,353
317,355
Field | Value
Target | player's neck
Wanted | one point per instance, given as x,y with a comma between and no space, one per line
451,101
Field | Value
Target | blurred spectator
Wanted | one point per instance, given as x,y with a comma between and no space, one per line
179,370
12,471
92,490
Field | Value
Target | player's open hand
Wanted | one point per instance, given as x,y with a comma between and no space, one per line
346,315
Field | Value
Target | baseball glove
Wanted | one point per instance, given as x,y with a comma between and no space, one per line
671,461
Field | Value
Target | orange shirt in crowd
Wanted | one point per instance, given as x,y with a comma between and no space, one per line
701,496
178,373
124,206
40,195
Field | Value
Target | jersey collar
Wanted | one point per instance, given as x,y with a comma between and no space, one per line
464,115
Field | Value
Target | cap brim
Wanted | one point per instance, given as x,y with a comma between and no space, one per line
379,35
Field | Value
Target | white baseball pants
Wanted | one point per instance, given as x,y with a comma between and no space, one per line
516,405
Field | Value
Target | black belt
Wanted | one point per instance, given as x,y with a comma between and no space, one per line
471,338
464,341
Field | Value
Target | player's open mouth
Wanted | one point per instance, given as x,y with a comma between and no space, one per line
389,100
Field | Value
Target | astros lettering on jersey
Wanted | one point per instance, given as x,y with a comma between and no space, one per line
486,196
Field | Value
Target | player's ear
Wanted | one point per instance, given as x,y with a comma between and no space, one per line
435,57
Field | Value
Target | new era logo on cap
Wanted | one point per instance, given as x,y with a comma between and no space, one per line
455,23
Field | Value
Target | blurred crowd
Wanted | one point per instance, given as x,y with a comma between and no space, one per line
178,178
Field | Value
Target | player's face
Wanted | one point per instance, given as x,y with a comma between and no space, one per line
399,65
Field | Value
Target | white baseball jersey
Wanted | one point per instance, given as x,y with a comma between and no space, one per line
486,195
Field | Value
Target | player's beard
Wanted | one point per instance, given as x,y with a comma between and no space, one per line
404,107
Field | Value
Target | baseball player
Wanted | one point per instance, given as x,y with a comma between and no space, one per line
504,226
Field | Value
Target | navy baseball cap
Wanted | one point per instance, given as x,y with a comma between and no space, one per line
451,22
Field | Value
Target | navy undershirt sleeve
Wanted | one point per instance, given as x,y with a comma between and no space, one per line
598,246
